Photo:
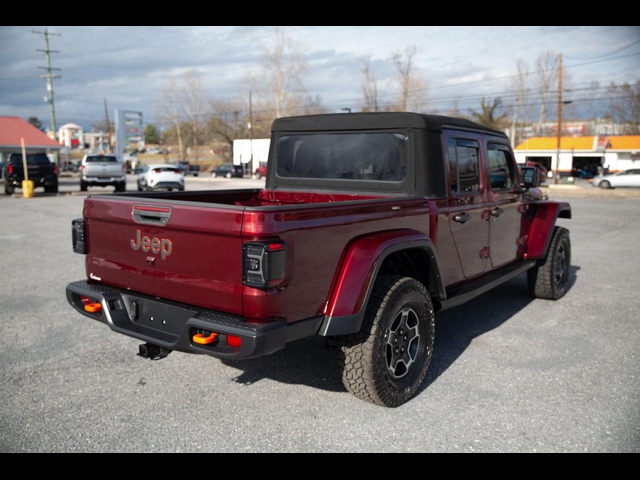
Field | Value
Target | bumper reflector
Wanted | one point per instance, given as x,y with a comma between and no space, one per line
199,339
234,341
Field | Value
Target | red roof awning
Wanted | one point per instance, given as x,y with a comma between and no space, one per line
12,129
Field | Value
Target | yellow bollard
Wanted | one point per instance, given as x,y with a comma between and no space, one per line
27,188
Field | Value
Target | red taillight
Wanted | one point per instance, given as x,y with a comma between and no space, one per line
124,168
233,341
84,169
10,170
55,169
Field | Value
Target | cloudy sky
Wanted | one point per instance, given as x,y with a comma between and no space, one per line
129,65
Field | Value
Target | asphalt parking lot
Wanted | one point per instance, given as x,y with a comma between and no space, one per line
509,373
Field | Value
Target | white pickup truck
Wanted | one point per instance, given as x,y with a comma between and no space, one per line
101,170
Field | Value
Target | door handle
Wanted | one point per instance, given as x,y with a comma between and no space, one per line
462,218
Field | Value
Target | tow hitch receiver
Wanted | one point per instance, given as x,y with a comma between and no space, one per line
92,307
153,352
202,340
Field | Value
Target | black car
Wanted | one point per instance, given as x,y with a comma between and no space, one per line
188,169
42,172
227,170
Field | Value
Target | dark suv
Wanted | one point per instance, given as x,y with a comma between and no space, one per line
42,172
227,170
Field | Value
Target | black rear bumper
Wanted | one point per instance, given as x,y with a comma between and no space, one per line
173,325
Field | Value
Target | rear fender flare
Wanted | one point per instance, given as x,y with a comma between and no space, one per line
354,283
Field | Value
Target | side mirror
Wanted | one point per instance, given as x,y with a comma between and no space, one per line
529,177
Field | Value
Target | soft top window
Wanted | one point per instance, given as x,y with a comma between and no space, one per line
378,157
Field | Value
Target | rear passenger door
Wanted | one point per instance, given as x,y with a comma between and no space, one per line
503,215
467,201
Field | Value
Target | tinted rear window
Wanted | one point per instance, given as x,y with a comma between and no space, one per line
101,158
354,156
40,159
166,169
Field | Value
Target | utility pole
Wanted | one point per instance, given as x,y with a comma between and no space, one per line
559,118
49,76
106,114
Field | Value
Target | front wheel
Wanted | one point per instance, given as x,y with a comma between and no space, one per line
229,175
605,185
386,362
550,278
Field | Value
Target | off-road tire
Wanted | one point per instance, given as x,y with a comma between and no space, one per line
364,357
83,186
550,278
121,187
9,189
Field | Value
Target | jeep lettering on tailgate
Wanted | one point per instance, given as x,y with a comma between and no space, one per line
156,245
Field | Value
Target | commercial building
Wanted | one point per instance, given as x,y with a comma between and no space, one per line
13,129
581,155
71,135
244,150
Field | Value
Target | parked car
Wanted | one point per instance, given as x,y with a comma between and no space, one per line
188,169
227,170
373,223
261,171
156,177
102,170
42,172
628,178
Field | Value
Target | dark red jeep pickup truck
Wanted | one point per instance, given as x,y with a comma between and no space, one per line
369,224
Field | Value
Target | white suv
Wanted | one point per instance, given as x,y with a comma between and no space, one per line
153,177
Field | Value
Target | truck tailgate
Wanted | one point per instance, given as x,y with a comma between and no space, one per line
186,253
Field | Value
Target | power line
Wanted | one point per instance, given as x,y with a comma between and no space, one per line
606,54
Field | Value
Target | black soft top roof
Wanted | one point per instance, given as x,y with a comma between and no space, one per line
375,121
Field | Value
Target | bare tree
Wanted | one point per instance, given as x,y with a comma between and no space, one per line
168,109
489,115
546,82
194,99
519,85
413,88
624,106
279,83
228,120
370,92
313,105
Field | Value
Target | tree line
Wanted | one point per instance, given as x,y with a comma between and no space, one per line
192,118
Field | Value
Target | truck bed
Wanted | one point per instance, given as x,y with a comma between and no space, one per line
206,232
